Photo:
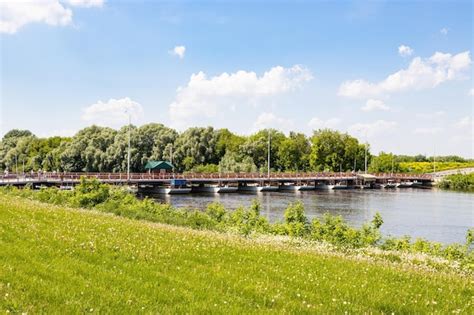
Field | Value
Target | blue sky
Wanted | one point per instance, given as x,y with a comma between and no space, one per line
396,73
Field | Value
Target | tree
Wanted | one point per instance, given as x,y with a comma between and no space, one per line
256,146
195,146
232,162
293,152
148,142
87,150
385,163
335,151
228,142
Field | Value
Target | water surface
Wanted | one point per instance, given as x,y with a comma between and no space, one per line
434,214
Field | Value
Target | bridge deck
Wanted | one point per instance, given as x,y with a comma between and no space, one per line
144,178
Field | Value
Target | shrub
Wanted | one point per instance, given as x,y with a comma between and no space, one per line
216,211
295,219
248,221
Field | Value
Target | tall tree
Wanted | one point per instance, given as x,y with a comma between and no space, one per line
87,150
334,151
196,146
294,152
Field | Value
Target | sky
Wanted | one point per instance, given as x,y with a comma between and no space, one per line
397,74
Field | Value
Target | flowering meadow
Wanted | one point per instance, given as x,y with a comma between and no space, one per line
85,251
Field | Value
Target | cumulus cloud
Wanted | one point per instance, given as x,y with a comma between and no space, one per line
444,31
86,3
372,105
203,97
16,14
178,51
372,129
405,51
270,120
420,74
113,113
317,123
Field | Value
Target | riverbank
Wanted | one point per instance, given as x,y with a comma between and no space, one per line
60,259
249,222
459,182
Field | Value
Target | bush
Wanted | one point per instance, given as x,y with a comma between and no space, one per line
463,182
216,211
295,220
90,193
248,221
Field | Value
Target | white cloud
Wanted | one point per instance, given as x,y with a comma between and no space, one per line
16,14
420,74
86,3
204,97
372,105
464,122
178,51
471,92
444,31
405,51
427,130
270,120
372,129
113,113
316,123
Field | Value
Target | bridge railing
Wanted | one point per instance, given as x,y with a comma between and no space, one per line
122,177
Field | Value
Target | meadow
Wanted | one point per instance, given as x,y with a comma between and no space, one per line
55,259
428,167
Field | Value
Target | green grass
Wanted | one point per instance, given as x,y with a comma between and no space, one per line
62,260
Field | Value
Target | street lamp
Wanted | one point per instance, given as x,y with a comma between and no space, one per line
269,148
128,151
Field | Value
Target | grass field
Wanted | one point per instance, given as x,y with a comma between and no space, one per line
61,260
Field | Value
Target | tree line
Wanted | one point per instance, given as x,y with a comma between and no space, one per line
197,149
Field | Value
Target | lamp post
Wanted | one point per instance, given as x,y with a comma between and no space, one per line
128,151
365,158
269,147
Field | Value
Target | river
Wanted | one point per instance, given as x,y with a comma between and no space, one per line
437,215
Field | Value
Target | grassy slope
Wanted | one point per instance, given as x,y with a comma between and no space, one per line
54,259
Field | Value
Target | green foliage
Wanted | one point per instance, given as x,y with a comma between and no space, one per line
463,182
195,146
247,221
54,260
384,163
429,167
294,152
100,149
208,168
295,220
334,230
335,151
90,193
216,211
233,162
377,221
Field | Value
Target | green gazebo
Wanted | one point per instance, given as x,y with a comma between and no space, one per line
159,166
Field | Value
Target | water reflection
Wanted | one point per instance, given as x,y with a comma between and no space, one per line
433,214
